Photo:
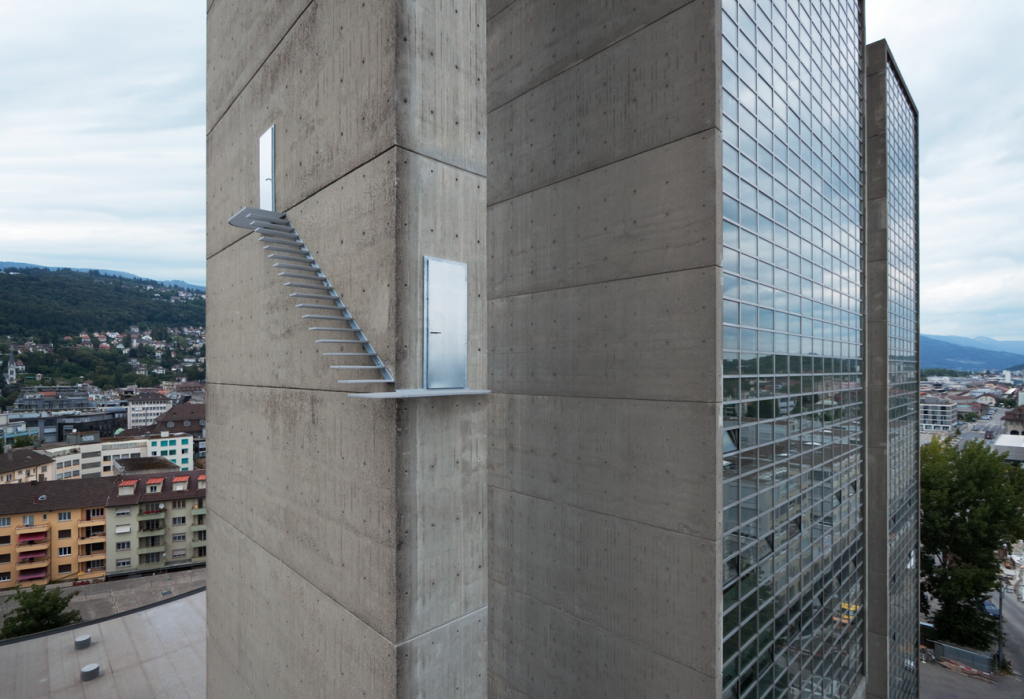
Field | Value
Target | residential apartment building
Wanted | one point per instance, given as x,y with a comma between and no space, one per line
938,414
144,409
25,465
52,531
700,338
156,521
186,417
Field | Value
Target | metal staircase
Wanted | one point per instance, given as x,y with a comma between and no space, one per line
294,261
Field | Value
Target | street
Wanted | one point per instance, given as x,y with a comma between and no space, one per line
939,683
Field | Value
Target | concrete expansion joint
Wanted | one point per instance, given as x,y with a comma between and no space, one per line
581,61
259,67
482,175
325,593
702,132
712,542
602,282
441,626
615,398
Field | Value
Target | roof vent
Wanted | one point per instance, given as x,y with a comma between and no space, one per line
41,497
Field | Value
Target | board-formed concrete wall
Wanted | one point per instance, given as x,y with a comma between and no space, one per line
347,536
604,288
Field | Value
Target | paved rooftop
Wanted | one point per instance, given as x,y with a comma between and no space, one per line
159,652
105,599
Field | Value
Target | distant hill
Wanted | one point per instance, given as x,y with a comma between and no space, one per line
108,272
947,355
48,305
987,343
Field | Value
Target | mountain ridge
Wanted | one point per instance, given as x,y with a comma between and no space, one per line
107,272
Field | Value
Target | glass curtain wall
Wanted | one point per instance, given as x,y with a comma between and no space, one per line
792,366
904,454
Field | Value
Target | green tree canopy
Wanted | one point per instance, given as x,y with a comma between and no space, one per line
38,609
972,503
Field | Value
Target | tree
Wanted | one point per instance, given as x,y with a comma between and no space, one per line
23,441
38,610
972,503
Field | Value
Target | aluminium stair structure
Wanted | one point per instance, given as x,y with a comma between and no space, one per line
295,262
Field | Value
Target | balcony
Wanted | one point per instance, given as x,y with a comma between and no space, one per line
146,516
152,549
94,539
198,511
82,523
37,576
28,563
22,529
199,528
94,556
92,574
31,544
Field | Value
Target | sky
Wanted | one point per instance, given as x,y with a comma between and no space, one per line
102,147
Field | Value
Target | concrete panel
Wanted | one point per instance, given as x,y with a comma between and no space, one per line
258,337
442,96
282,636
329,87
877,169
248,32
543,653
535,40
655,588
656,86
651,462
592,228
441,486
653,337
309,477
441,213
449,662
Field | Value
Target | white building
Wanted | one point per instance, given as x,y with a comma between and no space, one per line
144,410
938,414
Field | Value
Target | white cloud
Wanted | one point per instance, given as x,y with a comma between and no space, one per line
961,63
102,136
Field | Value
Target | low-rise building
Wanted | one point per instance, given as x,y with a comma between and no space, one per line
938,414
1013,421
24,466
157,521
53,531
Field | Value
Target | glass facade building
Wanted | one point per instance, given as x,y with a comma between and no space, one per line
793,374
903,379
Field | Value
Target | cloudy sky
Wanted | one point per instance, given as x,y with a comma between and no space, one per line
102,147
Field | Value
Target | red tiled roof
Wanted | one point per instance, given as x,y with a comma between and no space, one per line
181,479
202,477
127,483
151,481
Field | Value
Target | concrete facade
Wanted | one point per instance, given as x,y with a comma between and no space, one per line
893,351
604,280
347,535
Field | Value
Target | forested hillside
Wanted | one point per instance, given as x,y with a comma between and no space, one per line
48,305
